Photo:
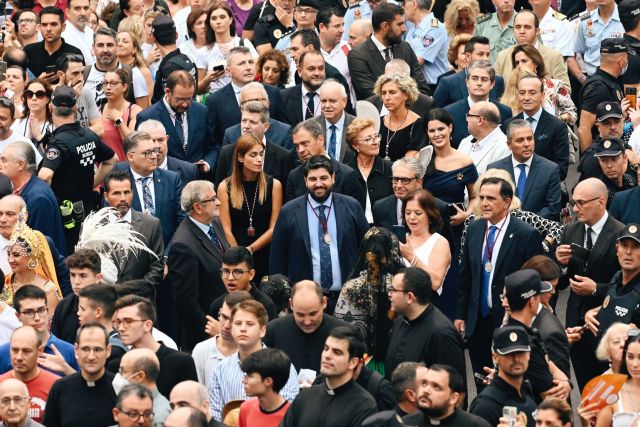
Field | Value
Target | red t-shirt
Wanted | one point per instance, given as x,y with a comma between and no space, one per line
252,415
38,390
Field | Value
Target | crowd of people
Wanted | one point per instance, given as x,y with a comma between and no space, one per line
319,213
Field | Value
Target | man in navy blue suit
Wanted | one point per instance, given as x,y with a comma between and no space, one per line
537,179
188,171
279,133
481,78
454,87
550,133
224,104
18,161
496,246
317,235
184,121
155,191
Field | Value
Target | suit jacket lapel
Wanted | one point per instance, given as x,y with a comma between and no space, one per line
298,102
507,240
461,84
135,204
601,244
158,189
343,141
377,60
190,127
165,117
531,177
303,225
540,125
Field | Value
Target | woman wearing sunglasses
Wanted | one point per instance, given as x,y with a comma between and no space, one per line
36,123
119,115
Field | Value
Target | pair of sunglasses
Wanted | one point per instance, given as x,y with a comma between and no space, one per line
39,94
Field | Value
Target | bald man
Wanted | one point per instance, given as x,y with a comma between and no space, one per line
18,413
187,417
334,120
303,333
192,394
588,273
26,347
360,30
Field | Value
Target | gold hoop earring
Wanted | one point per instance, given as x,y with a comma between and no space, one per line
32,264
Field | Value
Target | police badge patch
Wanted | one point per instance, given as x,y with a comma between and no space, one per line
53,153
426,41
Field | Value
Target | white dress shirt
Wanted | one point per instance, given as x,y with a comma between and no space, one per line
596,229
339,129
4,258
314,241
382,48
499,237
305,103
516,168
136,179
536,118
489,149
185,122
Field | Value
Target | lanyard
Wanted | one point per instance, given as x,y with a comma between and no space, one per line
489,248
325,224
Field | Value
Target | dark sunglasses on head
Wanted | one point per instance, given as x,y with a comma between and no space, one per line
39,94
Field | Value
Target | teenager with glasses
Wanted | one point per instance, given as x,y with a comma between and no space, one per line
119,115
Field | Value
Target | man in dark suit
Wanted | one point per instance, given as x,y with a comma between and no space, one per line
587,269
141,273
334,120
302,101
255,121
537,179
195,258
317,235
185,122
399,66
626,206
224,104
367,60
19,165
454,87
156,191
187,171
309,142
551,135
481,78
496,246
554,338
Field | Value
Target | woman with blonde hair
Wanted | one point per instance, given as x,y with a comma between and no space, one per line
611,346
31,264
129,51
250,201
460,17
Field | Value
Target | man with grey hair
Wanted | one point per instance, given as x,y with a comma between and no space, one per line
135,399
481,78
187,171
69,164
255,121
486,142
13,390
334,120
18,163
195,259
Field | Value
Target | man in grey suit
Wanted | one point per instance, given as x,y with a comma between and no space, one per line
334,120
537,179
139,274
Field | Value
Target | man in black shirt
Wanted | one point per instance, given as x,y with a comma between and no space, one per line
421,332
271,28
629,12
303,333
439,394
164,34
237,272
69,164
42,56
511,351
259,10
613,161
338,401
86,397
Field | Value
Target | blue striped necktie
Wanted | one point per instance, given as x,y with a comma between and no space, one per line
326,269
147,199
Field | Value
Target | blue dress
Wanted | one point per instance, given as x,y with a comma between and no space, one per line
450,187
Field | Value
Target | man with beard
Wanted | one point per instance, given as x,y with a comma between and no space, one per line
311,229
367,61
77,28
26,27
511,352
302,101
439,393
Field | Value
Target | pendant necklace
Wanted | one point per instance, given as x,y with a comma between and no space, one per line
390,136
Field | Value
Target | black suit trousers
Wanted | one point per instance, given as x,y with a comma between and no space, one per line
480,345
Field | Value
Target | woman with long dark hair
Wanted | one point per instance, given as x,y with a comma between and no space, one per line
36,123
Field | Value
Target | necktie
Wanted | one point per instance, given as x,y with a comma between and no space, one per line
147,200
180,131
311,108
215,240
589,243
332,141
486,275
532,122
326,269
522,181
387,54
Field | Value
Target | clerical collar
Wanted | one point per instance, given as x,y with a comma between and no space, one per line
338,390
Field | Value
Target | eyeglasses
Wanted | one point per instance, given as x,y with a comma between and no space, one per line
17,400
182,100
111,84
391,290
305,10
401,179
25,21
39,94
373,139
473,115
236,272
87,349
41,312
135,415
580,203
149,153
213,199
125,323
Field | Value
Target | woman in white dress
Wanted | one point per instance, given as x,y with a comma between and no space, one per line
425,248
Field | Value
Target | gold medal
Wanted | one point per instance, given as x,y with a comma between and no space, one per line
488,267
327,238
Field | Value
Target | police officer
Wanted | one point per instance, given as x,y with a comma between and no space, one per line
554,29
613,161
429,40
602,23
271,28
361,10
68,164
622,303
304,15
498,27
511,352
629,11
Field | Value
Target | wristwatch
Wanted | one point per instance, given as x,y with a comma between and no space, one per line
118,122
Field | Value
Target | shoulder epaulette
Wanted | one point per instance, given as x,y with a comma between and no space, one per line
434,23
267,19
354,6
582,15
484,18
559,16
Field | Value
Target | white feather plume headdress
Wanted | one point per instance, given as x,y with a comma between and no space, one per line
109,235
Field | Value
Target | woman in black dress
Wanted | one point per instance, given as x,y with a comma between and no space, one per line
250,202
